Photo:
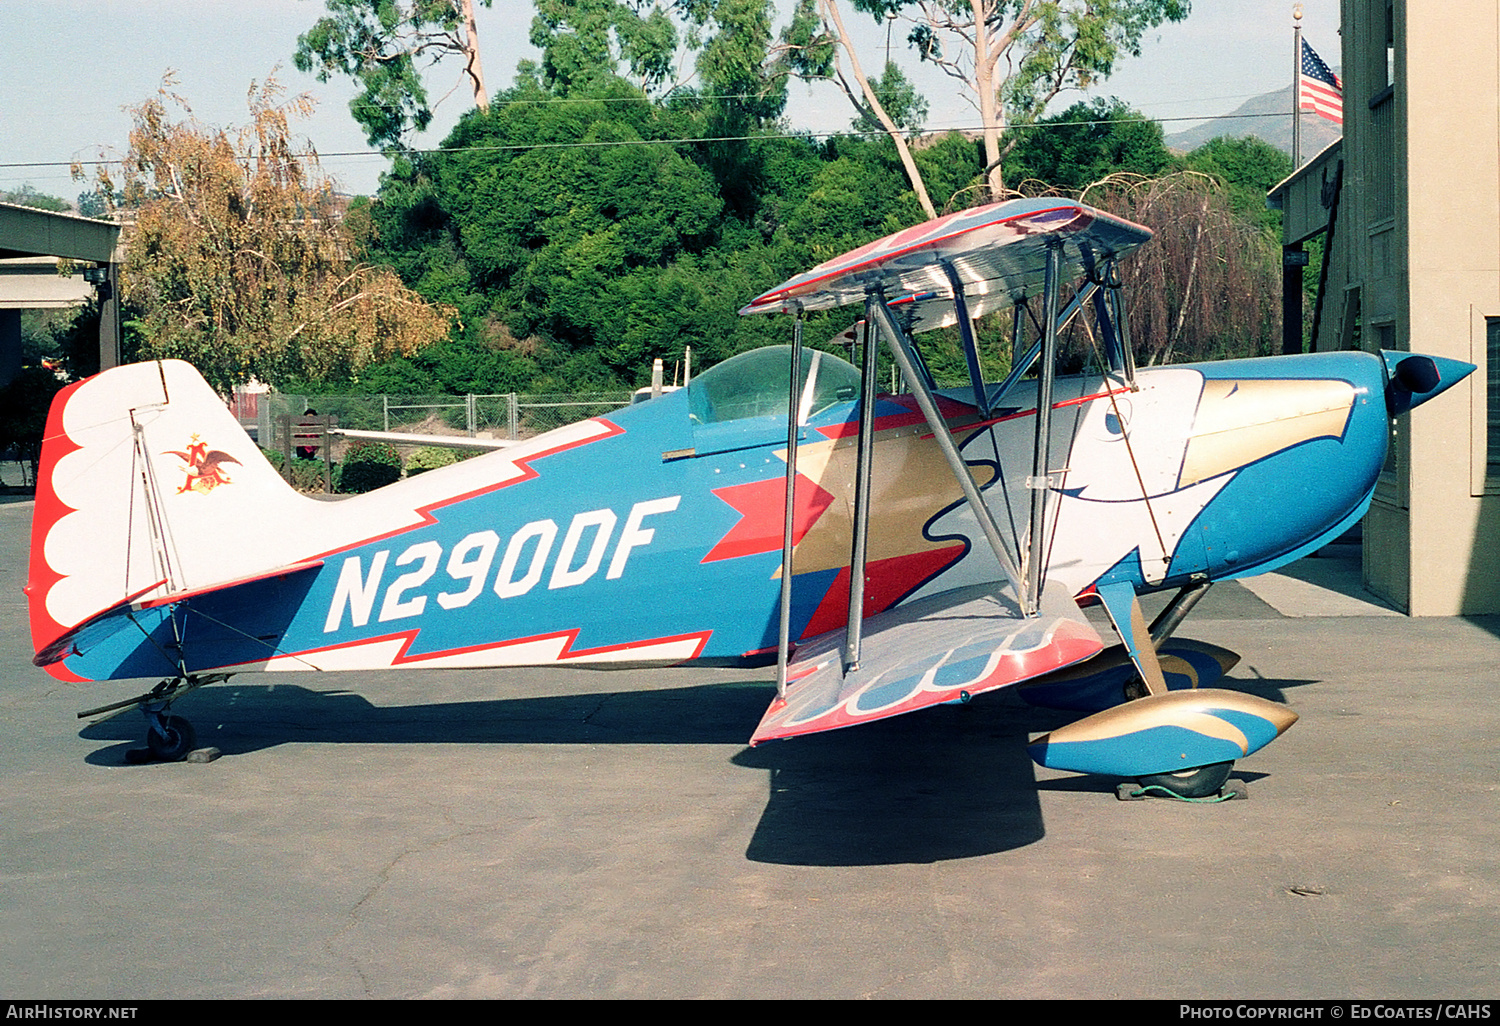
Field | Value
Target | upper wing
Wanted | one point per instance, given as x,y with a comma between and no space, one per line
998,252
942,649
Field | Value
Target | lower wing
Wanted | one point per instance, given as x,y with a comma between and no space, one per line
943,649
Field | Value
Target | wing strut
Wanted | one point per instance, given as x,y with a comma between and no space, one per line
1109,314
1040,480
966,333
793,429
1021,362
946,272
878,313
1018,314
863,465
1121,323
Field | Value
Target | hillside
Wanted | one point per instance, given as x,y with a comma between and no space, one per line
1264,117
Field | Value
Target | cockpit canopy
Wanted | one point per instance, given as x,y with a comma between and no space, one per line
754,384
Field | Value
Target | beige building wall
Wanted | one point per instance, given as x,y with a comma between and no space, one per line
1421,213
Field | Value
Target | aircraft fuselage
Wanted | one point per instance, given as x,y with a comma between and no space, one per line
654,535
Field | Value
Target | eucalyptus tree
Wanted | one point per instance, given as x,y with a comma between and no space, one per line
1011,57
381,45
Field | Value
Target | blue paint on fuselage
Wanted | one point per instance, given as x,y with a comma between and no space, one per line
662,587
1276,505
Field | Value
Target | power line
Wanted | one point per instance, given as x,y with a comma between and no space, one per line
685,141
539,100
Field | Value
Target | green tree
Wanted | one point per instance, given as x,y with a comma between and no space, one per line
91,204
586,40
26,196
24,402
378,44
1249,167
1209,284
533,240
709,60
905,106
1086,143
744,90
814,53
579,241
567,233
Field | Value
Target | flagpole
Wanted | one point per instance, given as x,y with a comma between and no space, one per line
1296,86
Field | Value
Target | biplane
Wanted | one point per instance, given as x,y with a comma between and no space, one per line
887,552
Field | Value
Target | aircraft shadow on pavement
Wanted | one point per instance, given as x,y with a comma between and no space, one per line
240,718
943,783
1271,689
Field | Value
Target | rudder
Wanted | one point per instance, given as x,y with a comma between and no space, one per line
148,485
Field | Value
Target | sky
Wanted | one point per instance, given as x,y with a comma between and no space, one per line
70,68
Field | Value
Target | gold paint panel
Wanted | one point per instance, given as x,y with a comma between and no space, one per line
1147,663
1239,422
1188,709
910,483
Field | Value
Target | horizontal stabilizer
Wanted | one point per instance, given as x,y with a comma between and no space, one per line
942,649
102,626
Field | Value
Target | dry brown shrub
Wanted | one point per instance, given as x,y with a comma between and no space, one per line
238,257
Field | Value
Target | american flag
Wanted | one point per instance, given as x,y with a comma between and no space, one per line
1318,89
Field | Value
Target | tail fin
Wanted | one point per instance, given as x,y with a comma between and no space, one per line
147,486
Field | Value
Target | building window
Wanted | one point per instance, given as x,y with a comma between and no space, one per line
1492,394
1390,45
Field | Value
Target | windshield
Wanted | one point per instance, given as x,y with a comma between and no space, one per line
754,384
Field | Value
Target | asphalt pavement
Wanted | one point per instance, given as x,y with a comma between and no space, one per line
573,833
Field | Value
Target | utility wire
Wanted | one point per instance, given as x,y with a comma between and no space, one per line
526,147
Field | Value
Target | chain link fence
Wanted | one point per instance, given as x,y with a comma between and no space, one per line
511,416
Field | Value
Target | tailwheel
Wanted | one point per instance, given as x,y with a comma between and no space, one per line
1196,783
170,738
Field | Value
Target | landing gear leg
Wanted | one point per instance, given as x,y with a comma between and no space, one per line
1199,782
168,738
1177,610
1167,621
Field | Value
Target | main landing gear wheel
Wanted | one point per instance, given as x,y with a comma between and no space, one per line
171,739
1199,782
1135,688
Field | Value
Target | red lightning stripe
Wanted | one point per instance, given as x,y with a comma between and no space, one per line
887,581
949,408
762,509
408,637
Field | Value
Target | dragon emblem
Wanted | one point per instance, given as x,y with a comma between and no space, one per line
205,467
